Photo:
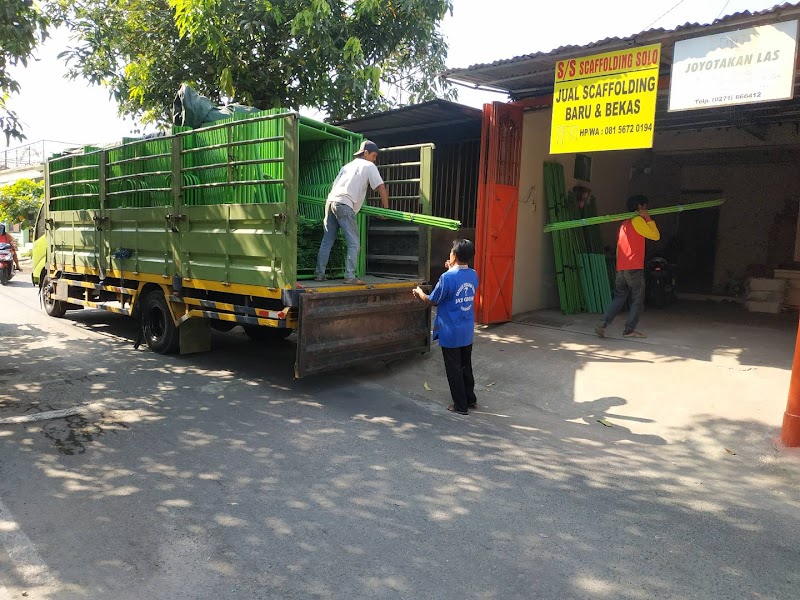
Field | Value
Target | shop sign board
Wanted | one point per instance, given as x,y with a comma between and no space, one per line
738,67
606,101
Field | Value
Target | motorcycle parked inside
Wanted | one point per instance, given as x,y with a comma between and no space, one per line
660,286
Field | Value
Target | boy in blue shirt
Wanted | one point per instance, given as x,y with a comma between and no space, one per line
454,297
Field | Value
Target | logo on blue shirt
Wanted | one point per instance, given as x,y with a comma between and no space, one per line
465,296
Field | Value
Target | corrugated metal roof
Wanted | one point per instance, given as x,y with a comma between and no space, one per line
386,127
532,74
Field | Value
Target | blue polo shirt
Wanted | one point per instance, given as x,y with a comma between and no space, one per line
454,297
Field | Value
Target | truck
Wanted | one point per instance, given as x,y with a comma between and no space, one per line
206,228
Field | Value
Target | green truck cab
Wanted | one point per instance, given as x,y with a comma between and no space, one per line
206,229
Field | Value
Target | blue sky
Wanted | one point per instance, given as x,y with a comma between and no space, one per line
479,31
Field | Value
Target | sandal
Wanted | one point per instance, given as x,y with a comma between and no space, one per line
452,408
634,334
354,281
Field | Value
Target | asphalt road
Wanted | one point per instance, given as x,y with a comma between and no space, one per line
218,476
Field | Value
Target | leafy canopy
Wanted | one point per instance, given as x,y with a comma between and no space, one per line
346,57
23,26
20,201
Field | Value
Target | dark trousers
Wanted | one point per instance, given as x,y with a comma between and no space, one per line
628,283
458,366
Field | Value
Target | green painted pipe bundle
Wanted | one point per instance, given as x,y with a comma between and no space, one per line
564,244
238,160
309,237
397,215
584,284
573,224
76,187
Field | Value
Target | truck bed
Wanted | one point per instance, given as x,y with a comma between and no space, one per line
370,281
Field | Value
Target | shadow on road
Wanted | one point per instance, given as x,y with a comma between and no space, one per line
219,476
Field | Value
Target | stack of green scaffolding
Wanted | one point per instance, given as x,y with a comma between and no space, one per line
237,160
264,160
582,274
74,181
320,162
139,174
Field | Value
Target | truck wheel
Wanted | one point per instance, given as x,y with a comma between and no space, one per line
266,334
158,328
54,308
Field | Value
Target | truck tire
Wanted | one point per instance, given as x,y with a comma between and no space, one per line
158,328
54,308
266,334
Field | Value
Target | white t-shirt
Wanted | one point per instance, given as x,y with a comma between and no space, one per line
350,185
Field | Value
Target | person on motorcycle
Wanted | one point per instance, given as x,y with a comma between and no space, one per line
7,238
630,267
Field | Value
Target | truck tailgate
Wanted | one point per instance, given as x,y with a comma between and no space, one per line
339,329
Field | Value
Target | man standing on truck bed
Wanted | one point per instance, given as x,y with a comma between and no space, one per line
344,201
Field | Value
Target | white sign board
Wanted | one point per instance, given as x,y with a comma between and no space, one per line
737,67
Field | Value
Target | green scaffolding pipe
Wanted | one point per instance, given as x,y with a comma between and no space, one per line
560,226
397,215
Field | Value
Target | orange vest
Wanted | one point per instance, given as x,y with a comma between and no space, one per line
630,248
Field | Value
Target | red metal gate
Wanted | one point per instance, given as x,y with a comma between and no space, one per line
498,195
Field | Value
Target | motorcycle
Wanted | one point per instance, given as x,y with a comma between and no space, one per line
660,284
6,263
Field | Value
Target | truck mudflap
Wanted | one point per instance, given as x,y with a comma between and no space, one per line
340,329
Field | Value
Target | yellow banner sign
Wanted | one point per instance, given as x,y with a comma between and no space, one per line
606,101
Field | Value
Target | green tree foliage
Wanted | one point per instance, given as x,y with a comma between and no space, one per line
20,201
347,57
23,26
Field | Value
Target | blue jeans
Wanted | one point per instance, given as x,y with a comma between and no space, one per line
338,215
627,283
